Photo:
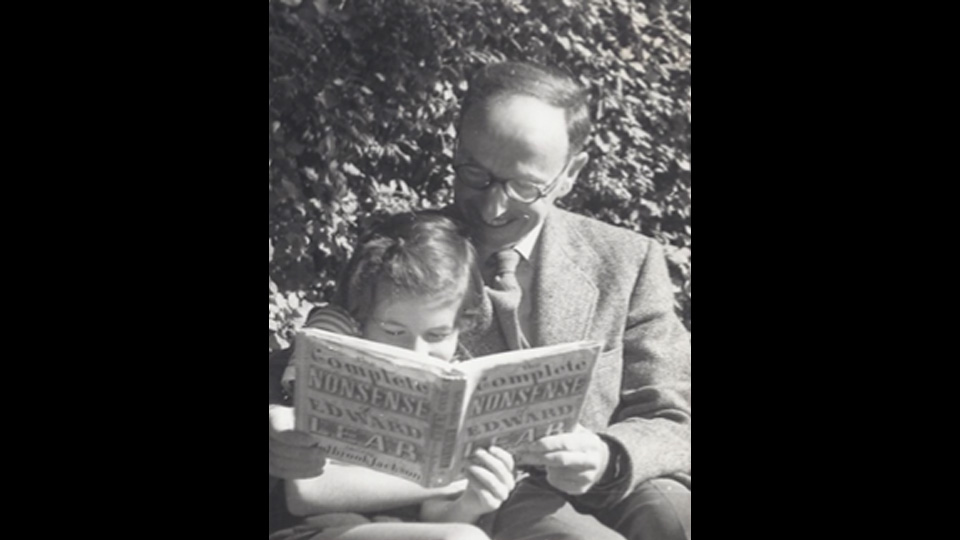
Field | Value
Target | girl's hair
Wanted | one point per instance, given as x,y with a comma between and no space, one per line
425,253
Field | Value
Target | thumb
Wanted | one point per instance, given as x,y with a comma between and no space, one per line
282,427
281,419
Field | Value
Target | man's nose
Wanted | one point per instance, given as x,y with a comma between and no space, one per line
495,202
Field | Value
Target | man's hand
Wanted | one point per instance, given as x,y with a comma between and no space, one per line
293,454
574,462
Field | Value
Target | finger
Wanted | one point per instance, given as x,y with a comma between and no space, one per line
572,477
490,482
581,441
504,456
578,461
458,486
279,471
487,499
493,464
282,427
288,471
573,484
295,438
299,469
546,444
281,418
297,453
300,457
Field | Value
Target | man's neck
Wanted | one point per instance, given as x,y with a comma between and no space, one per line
527,243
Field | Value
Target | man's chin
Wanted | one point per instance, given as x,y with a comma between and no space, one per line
483,229
498,226
494,239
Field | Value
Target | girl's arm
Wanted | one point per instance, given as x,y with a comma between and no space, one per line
348,488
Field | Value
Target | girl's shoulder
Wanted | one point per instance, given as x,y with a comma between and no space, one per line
332,318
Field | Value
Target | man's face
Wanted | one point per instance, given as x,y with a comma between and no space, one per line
521,140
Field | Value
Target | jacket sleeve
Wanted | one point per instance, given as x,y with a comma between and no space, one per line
650,431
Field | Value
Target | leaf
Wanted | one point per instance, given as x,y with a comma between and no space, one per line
295,148
372,72
277,343
679,256
328,146
350,169
291,190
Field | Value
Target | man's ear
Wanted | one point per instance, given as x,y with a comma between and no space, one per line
573,170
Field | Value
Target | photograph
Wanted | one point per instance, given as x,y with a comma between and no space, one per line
480,270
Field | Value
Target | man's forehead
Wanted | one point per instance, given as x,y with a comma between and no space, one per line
517,124
515,111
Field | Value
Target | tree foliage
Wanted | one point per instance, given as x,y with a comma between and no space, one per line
364,95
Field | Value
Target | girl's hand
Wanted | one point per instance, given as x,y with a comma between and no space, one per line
293,454
491,480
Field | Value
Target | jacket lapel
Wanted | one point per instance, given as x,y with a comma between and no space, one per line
564,294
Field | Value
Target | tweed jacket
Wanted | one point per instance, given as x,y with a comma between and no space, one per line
595,281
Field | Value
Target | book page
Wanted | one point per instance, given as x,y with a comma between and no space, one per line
521,396
374,405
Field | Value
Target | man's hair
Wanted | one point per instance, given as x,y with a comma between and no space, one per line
549,85
423,253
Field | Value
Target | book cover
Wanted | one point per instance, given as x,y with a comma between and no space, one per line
419,418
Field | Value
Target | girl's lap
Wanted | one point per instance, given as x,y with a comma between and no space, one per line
349,526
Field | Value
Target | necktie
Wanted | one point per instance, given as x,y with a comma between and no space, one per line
506,294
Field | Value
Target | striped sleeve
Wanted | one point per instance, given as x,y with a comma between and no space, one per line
332,319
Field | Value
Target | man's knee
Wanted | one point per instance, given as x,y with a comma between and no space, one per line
657,510
535,512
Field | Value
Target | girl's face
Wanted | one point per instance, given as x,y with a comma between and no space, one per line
423,324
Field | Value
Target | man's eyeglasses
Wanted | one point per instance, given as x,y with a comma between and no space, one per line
479,178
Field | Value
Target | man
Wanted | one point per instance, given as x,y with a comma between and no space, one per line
522,134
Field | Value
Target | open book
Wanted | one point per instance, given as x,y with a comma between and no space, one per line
419,418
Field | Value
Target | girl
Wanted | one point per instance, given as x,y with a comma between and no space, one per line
413,283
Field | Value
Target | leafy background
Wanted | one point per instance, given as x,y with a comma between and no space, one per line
364,95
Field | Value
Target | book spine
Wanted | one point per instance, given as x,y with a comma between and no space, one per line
448,448
443,431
